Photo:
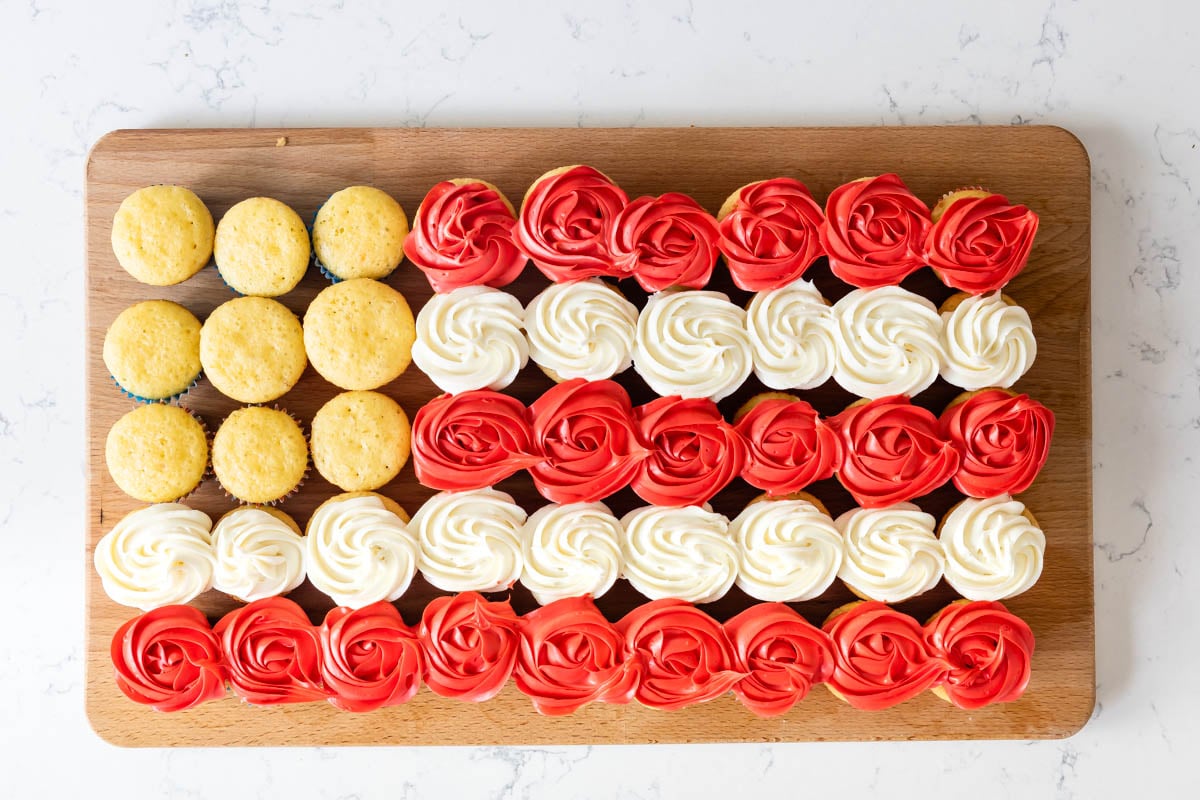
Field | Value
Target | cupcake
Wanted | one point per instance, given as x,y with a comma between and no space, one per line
792,337
566,223
156,556
259,455
994,548
152,350
157,453
359,233
360,440
788,548
470,541
788,445
979,241
770,233
359,549
583,329
471,339
162,235
571,550
1002,439
987,340
261,247
888,342
892,553
252,349
694,452
987,650
259,553
665,241
693,344
685,553
874,231
359,334
462,235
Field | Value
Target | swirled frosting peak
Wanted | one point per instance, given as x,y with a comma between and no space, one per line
791,331
583,329
359,551
888,342
770,233
892,553
470,541
993,549
158,556
471,338
571,550
258,555
684,553
788,550
986,342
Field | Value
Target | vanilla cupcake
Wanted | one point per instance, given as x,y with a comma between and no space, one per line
570,550
260,455
470,541
359,334
259,553
987,340
360,440
359,549
252,349
788,548
891,554
888,342
471,338
791,333
162,235
157,453
359,232
156,556
994,548
152,350
682,552
584,329
261,247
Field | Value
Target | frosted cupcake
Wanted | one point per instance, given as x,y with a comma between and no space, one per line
994,548
888,342
685,553
770,233
471,338
359,232
156,556
470,541
979,241
566,222
791,332
570,551
259,553
360,440
152,350
788,548
359,550
261,247
157,453
892,553
162,235
359,334
987,340
252,349
260,455
584,329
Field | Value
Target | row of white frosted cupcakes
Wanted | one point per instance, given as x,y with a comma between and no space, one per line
360,548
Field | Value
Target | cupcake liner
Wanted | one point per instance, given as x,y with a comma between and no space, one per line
222,277
208,440
167,400
303,477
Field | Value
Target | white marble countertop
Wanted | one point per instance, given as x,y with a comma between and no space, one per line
1120,75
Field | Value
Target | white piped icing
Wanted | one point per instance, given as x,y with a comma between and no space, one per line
359,552
791,332
583,329
571,550
157,556
788,550
888,342
471,338
992,549
683,552
258,555
892,553
470,541
987,342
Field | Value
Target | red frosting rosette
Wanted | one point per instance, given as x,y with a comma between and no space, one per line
585,431
987,651
470,646
168,659
874,231
570,656
566,222
462,236
1002,439
470,440
892,452
772,234
666,241
979,241
788,446
273,653
694,452
782,655
685,655
880,656
370,658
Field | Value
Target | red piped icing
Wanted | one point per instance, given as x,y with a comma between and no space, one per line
273,653
874,231
987,651
686,656
168,659
880,657
892,452
694,454
1002,441
462,236
782,655
788,446
772,235
471,440
565,225
586,432
979,244
570,656
370,658
666,241
470,646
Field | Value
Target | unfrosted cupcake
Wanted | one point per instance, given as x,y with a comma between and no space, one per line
260,455
252,349
261,247
791,333
471,338
583,329
888,342
157,453
788,548
987,340
570,551
470,541
994,548
152,350
360,440
359,233
359,334
359,549
892,553
259,553
156,556
685,553
162,235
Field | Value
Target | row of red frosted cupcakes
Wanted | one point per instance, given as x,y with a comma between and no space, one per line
666,654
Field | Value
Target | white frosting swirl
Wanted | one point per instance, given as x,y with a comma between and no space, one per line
681,552
788,550
258,555
888,342
157,556
892,553
471,338
693,344
470,541
791,332
986,342
992,549
583,329
571,550
359,552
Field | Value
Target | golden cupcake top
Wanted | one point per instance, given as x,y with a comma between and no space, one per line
252,349
162,235
152,349
259,454
157,453
359,233
360,440
359,334
261,247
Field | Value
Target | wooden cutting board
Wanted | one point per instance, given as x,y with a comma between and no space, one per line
1043,167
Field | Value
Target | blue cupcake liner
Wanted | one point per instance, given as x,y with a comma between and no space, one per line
316,262
149,400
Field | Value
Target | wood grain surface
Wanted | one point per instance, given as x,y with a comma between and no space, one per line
1043,167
